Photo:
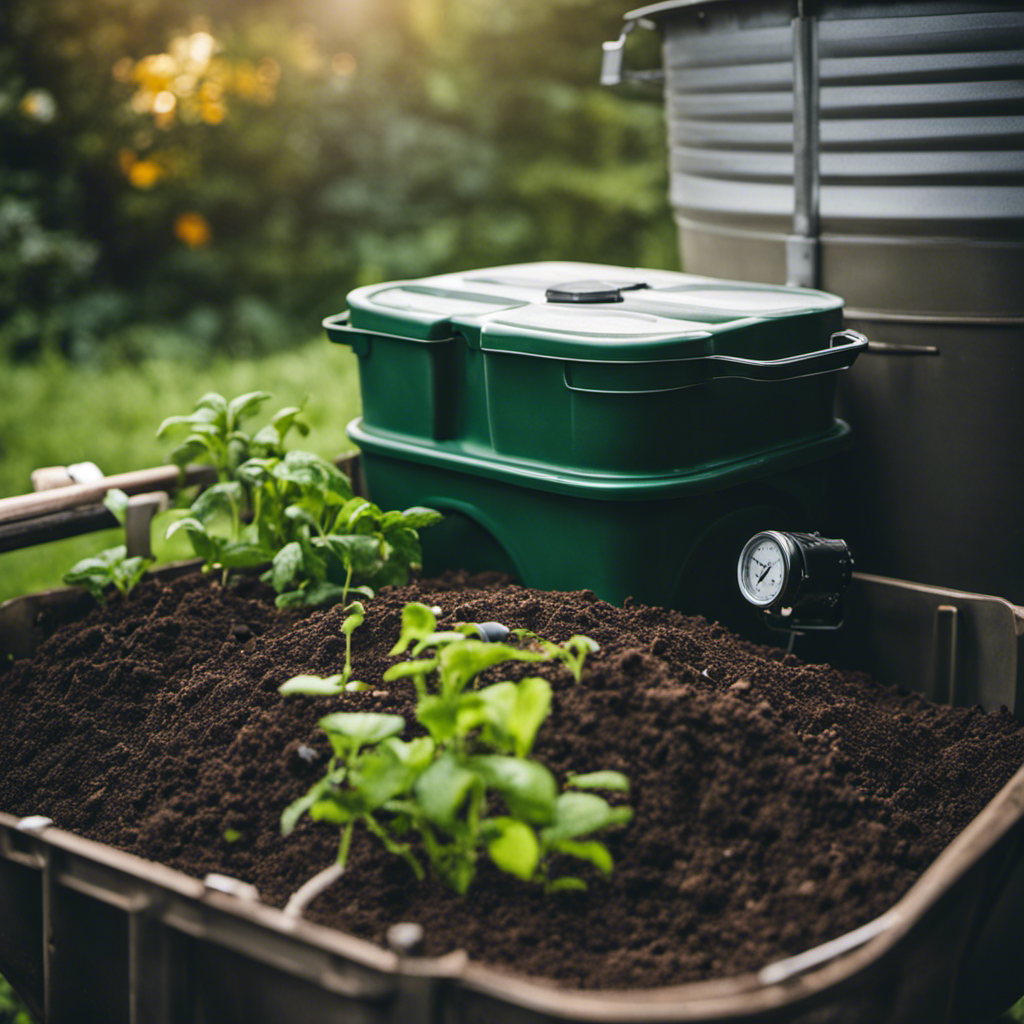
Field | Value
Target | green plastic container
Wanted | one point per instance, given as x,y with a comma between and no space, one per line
600,427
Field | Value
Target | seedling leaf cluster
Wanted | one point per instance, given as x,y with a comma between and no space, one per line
292,509
112,567
469,787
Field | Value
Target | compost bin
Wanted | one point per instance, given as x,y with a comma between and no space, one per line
629,409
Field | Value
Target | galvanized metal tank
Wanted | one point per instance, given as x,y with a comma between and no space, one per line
876,149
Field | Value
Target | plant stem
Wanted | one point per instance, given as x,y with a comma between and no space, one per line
323,880
344,592
348,658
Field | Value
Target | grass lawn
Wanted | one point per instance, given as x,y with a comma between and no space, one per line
55,414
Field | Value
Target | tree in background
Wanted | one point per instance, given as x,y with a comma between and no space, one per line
176,177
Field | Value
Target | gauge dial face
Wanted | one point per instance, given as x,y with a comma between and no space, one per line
762,571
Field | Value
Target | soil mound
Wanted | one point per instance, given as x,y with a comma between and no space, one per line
778,804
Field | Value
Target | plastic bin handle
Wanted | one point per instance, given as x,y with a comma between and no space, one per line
341,332
674,375
827,360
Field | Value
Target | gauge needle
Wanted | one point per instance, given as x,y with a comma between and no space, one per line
768,569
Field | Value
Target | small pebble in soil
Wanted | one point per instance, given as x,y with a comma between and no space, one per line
307,753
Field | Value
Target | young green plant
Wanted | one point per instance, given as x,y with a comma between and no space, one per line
319,686
112,567
469,786
294,510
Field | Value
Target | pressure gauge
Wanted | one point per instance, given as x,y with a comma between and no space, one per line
764,569
797,579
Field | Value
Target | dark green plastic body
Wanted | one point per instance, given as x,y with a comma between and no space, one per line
629,447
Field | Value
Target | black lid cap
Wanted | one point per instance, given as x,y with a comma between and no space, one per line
585,291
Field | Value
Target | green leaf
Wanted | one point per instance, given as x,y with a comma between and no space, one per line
404,669
96,565
288,418
517,710
461,662
599,780
189,524
358,511
313,686
355,686
337,808
188,451
438,639
443,788
418,621
226,496
415,518
299,513
514,847
309,470
566,884
577,814
244,406
242,554
470,713
322,593
360,551
355,619
417,753
205,546
198,418
527,787
361,727
591,850
297,808
126,574
216,404
286,566
116,502
437,715
266,442
383,774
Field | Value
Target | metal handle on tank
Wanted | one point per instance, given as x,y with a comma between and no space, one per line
613,55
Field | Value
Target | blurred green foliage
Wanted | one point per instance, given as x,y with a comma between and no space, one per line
12,1010
109,415
178,178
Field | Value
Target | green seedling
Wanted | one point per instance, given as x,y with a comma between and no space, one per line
213,432
317,686
292,509
573,653
469,786
112,567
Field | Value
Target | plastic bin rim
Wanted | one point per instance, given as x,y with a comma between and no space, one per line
610,487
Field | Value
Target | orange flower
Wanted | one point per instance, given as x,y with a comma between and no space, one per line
145,173
193,229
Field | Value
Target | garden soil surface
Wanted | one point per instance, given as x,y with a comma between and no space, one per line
777,804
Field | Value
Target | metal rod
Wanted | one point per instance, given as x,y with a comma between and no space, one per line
803,258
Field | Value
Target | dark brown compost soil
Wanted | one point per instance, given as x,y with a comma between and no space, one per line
778,804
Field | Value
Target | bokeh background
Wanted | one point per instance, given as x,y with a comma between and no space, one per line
183,178
187,187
